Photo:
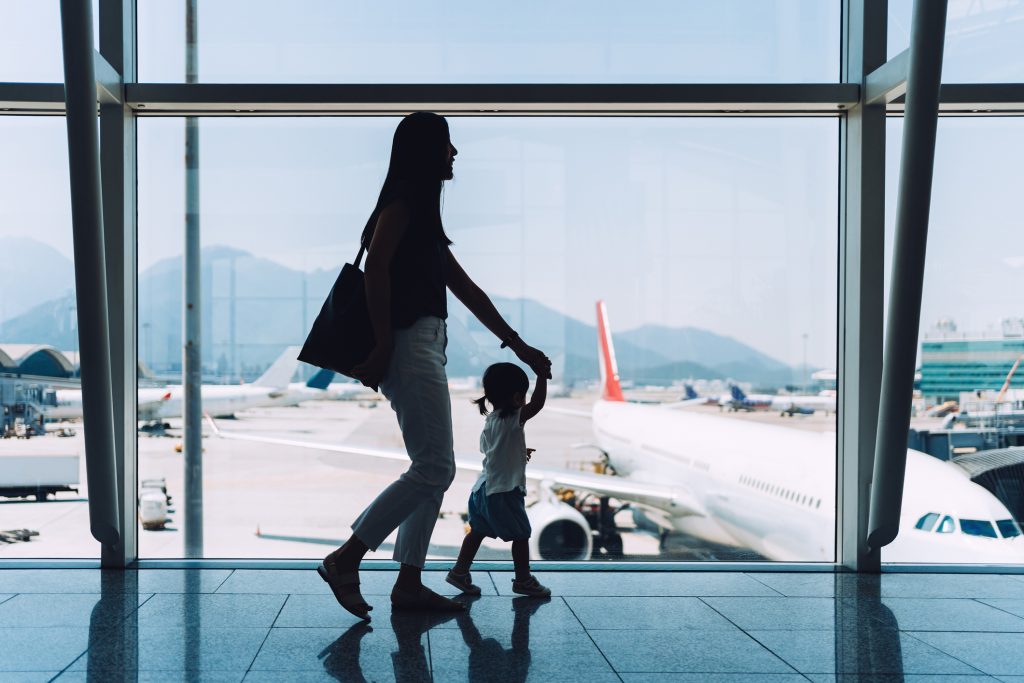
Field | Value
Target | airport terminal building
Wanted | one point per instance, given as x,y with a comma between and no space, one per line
951,365
654,196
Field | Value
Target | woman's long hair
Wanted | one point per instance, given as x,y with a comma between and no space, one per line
416,172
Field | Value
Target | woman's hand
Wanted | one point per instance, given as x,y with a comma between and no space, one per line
371,371
535,358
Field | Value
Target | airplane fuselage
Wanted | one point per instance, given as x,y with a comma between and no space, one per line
772,488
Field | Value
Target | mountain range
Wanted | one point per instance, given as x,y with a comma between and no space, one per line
272,306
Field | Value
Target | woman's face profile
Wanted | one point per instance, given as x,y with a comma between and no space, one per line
449,172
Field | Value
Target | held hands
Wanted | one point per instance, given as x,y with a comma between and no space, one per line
529,453
371,371
535,358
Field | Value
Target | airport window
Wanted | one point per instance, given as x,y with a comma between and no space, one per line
970,333
538,213
927,522
720,230
982,39
1008,528
30,43
43,493
574,41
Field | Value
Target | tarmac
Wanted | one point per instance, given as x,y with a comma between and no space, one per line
265,500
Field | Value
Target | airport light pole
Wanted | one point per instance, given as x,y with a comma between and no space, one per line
192,361
803,375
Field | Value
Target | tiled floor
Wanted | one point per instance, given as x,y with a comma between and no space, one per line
283,625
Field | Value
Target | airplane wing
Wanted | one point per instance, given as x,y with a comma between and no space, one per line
678,503
568,411
701,401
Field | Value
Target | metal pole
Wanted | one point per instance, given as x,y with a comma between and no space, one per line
192,365
90,270
861,253
117,173
912,204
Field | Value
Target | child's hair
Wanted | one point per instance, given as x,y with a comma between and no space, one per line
501,382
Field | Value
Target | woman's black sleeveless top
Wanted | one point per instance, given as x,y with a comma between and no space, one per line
419,276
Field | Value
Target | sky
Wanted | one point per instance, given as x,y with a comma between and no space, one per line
726,224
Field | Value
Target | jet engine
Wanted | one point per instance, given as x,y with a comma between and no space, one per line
560,532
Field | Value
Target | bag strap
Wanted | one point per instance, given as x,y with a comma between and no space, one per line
359,256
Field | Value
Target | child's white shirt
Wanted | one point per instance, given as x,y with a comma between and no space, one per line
503,443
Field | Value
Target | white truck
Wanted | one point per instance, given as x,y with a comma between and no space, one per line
22,476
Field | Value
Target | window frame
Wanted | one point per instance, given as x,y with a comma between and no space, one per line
866,92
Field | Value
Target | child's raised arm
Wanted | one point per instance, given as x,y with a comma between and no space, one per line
540,394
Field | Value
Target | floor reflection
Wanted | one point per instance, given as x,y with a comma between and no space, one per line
197,635
114,629
341,659
487,655
867,636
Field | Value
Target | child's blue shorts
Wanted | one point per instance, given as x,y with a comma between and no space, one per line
501,515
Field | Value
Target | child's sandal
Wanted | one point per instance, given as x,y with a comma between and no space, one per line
464,582
531,587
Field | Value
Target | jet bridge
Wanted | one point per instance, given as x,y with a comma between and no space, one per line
1000,471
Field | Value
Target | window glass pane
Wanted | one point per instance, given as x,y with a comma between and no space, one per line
946,527
39,386
927,522
983,39
402,41
712,243
1008,528
30,41
977,527
970,336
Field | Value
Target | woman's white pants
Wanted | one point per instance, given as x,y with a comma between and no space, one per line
417,387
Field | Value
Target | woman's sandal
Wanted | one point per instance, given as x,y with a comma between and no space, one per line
346,591
424,600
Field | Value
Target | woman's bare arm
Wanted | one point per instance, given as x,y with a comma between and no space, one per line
391,226
481,306
476,300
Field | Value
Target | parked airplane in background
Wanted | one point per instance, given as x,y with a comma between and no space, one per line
321,387
690,394
785,404
767,488
737,400
805,404
156,404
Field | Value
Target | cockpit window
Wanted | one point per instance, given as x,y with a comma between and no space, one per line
1008,528
927,523
947,526
978,527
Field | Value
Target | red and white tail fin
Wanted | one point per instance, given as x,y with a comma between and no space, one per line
611,389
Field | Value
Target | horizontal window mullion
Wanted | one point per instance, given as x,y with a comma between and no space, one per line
473,99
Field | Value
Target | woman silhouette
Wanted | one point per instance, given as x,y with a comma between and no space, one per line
409,265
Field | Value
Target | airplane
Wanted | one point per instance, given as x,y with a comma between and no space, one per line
804,404
763,487
785,404
319,387
690,394
220,400
737,400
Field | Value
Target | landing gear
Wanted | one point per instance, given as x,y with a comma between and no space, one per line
601,518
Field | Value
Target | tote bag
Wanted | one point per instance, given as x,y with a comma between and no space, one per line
342,336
